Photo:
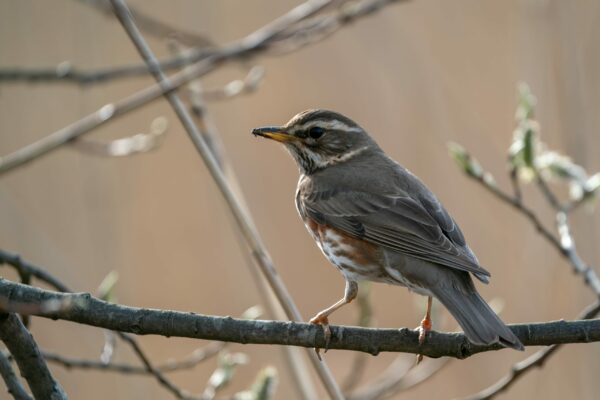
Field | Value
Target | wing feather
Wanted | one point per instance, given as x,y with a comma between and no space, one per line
420,228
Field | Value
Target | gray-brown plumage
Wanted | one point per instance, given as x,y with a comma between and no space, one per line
376,221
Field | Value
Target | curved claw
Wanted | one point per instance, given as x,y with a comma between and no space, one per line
423,329
324,322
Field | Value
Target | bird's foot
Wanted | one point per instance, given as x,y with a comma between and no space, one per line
425,327
322,320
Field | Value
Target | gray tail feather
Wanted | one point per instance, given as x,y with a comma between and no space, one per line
478,320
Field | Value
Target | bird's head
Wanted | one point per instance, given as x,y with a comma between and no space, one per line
320,138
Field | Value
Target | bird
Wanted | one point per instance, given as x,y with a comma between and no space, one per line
376,221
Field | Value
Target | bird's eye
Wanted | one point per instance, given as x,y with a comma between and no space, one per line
316,132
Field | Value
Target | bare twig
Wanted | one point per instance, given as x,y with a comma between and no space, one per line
95,312
242,218
365,315
127,146
400,375
252,45
198,356
23,266
536,360
564,244
295,363
14,386
177,392
7,304
33,368
569,253
153,26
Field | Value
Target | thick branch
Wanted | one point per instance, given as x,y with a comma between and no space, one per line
11,380
33,368
88,310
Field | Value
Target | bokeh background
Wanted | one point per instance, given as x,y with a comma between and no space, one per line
415,75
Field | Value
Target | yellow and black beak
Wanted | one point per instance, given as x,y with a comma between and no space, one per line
277,133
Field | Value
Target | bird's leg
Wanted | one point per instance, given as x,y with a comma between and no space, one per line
322,318
425,326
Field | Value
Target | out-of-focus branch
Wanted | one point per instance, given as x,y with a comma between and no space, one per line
33,368
530,159
162,380
14,386
250,46
401,375
536,360
8,304
299,371
92,311
564,245
237,208
365,315
153,26
198,356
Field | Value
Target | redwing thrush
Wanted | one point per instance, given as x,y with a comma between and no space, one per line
376,221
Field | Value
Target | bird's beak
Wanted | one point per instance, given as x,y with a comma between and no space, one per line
277,133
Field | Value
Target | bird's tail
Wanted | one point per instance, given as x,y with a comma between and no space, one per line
476,318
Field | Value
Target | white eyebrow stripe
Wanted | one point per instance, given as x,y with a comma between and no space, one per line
327,124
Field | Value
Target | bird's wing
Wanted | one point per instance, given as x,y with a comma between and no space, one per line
420,228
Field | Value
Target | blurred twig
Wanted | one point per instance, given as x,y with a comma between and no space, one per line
365,316
295,363
536,360
13,384
250,46
141,321
401,375
153,26
24,307
198,356
243,219
33,368
564,245
530,160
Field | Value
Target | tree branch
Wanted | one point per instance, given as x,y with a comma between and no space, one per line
198,356
242,218
25,267
11,380
88,310
537,359
33,368
250,46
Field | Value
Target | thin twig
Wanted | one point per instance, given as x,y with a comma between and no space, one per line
13,384
302,379
590,277
189,362
33,368
91,311
23,266
179,393
399,376
153,26
33,308
536,360
242,217
252,45
564,244
365,315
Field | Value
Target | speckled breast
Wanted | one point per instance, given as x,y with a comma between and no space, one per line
356,259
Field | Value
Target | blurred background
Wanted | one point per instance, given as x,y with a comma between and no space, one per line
415,75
